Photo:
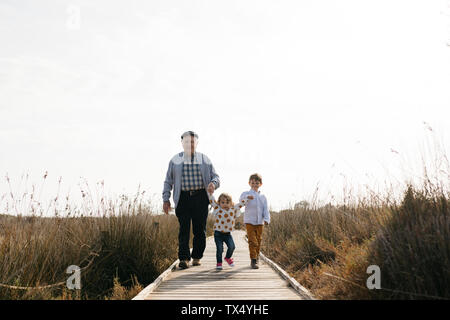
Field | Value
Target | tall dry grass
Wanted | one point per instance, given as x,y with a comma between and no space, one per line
306,240
120,244
329,248
36,251
413,247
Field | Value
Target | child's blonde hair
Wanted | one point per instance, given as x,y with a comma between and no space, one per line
226,196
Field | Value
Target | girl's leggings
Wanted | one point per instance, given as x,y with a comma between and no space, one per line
220,238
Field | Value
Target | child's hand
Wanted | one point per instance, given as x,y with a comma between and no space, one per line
250,197
211,188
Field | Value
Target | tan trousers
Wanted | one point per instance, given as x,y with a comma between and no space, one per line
254,234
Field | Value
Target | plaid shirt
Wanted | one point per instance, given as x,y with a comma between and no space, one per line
192,175
174,175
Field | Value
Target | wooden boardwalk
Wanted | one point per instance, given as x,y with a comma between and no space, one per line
240,282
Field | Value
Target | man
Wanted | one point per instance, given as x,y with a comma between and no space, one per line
189,173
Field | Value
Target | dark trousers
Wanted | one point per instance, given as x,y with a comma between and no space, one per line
192,208
220,238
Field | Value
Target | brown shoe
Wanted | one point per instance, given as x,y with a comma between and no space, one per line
184,264
196,262
254,265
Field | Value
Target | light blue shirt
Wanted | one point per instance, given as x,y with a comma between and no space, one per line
256,210
175,172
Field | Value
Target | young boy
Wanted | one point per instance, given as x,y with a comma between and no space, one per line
256,215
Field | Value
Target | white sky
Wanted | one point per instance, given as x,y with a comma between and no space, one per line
303,92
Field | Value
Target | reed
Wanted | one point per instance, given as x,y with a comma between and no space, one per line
328,249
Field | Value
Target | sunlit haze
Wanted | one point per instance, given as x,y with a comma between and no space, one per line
310,94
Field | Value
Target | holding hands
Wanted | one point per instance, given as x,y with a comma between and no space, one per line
211,188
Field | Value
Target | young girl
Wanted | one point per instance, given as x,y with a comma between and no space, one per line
225,213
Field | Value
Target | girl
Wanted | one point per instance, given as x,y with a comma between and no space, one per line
225,213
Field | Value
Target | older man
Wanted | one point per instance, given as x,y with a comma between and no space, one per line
189,173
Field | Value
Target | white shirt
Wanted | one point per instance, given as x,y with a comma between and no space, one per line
256,210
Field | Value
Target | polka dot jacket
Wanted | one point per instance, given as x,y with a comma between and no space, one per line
224,219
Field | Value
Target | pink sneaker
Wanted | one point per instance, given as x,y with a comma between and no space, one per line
219,266
230,261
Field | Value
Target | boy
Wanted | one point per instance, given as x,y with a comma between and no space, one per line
256,215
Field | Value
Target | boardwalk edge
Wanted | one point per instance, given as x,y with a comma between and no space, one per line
302,291
152,286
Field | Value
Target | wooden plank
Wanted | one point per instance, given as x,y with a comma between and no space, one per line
221,298
209,294
240,282
300,289
226,283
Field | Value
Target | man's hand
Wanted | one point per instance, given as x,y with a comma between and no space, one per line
211,188
166,207
250,197
265,223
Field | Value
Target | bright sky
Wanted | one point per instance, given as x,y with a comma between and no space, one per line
307,93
